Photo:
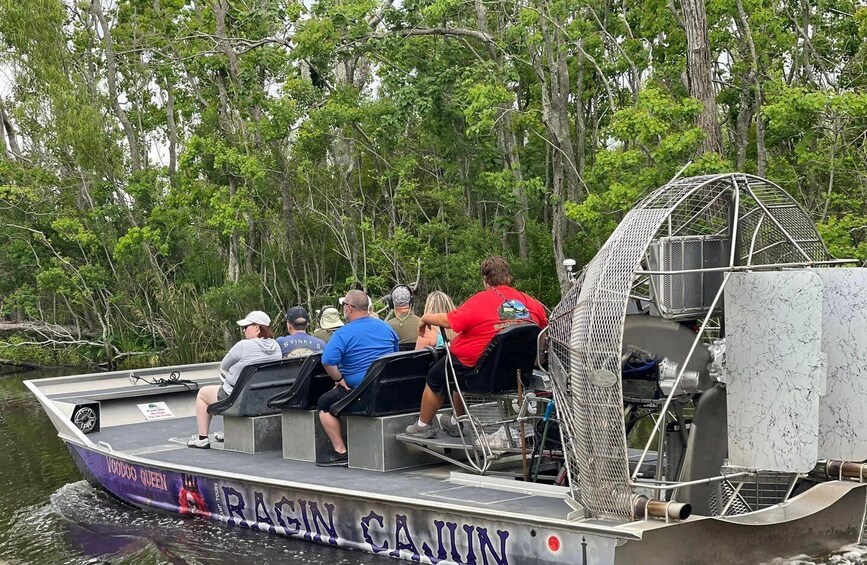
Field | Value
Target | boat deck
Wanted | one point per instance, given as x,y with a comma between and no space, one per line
161,442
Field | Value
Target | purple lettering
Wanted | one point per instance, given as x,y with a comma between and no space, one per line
365,531
235,507
486,546
303,505
279,513
400,527
262,517
441,550
319,519
471,555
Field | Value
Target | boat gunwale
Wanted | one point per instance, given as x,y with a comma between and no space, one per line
416,503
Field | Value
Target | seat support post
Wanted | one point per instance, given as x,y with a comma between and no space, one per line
524,466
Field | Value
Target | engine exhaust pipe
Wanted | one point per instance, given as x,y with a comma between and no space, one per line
845,470
644,508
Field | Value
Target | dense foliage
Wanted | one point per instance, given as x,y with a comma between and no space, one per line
167,165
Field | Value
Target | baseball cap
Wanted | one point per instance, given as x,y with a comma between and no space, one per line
297,316
255,317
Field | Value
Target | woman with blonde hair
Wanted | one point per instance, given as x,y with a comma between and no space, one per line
437,302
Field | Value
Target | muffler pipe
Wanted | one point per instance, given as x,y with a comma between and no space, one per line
845,470
644,508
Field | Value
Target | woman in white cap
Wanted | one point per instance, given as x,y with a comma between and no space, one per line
257,346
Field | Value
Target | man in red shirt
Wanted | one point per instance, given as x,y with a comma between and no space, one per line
476,322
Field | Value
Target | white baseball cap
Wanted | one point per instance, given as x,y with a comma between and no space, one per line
255,317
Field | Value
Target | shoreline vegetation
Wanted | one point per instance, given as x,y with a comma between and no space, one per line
167,166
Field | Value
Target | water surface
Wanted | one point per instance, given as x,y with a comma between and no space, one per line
48,514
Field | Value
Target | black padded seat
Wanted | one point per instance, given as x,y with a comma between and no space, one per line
311,383
512,349
256,385
393,384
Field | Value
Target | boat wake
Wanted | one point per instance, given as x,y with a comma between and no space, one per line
853,554
96,525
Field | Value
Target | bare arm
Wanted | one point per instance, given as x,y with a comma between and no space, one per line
429,339
335,375
433,319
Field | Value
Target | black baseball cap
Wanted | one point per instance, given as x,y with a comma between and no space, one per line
297,316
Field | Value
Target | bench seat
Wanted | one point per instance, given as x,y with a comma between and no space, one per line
256,385
393,384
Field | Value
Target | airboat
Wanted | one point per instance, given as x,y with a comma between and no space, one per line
704,374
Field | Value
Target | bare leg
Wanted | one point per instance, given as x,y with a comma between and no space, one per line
332,428
430,403
207,396
458,404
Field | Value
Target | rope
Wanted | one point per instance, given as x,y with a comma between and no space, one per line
174,378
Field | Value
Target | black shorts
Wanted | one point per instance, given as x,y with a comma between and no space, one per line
436,376
221,394
330,398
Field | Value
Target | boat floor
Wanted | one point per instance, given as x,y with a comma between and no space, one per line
161,442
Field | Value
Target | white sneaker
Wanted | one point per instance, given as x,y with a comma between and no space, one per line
219,437
199,443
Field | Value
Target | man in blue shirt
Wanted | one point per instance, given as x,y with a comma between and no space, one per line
298,343
348,354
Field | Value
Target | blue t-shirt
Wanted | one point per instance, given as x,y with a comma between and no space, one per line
358,344
300,344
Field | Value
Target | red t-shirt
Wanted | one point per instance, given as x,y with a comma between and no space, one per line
485,313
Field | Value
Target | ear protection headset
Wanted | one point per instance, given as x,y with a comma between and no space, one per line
389,301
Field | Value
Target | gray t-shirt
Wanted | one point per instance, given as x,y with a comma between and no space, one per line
246,352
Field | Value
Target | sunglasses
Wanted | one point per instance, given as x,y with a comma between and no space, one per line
343,302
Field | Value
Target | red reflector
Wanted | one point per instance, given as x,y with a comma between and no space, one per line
554,543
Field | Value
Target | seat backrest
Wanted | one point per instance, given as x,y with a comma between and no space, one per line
256,384
511,350
393,384
311,383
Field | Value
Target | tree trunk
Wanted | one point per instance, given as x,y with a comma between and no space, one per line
172,128
551,68
507,142
742,127
701,74
111,79
761,151
580,126
6,129
756,77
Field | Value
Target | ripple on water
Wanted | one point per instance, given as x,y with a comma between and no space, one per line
853,554
81,524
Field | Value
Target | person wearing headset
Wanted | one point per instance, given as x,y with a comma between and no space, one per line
403,321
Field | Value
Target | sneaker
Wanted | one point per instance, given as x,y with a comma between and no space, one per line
219,436
199,443
335,460
453,430
423,432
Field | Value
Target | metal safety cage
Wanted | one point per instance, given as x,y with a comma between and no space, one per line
669,255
